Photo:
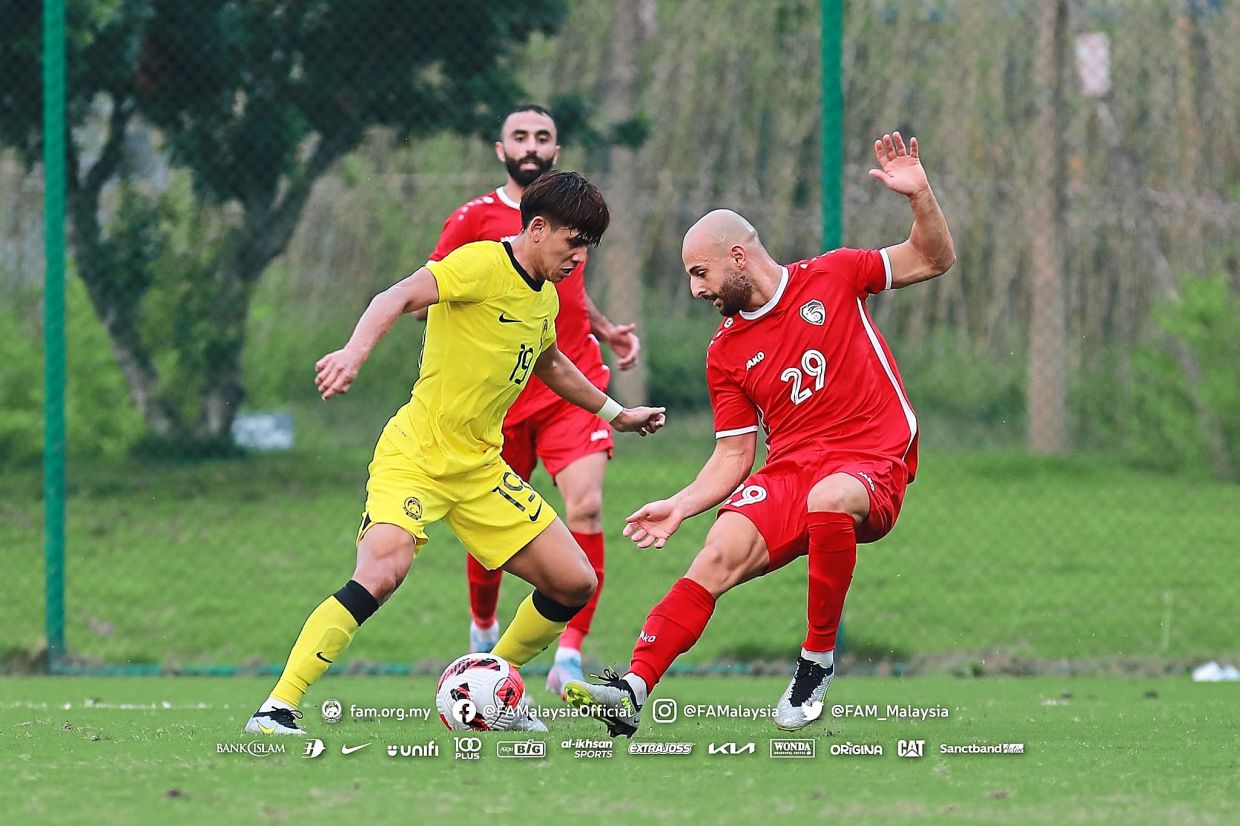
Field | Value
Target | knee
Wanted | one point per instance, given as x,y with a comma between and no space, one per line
585,510
383,561
714,570
838,499
578,589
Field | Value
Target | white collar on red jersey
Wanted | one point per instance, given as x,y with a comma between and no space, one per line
506,199
770,305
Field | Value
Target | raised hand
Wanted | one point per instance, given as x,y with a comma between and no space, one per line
901,170
625,344
653,524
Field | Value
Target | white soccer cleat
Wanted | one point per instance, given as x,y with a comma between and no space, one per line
613,702
482,640
802,701
275,721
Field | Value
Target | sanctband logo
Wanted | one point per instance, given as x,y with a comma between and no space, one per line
730,748
793,748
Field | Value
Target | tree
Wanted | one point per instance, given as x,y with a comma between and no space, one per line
256,99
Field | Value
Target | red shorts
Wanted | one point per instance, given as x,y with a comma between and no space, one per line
559,434
775,498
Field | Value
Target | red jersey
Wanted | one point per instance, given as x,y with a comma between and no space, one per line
811,368
496,217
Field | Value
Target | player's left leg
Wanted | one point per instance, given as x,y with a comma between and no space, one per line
836,504
581,484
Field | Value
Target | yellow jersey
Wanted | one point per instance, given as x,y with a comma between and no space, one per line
492,322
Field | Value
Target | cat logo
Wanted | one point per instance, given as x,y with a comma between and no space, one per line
814,312
754,361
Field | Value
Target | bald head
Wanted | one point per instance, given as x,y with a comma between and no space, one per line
726,262
718,231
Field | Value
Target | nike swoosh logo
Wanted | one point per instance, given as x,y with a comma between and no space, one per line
319,654
534,515
351,749
266,730
504,319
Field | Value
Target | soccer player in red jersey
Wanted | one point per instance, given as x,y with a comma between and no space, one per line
574,445
798,356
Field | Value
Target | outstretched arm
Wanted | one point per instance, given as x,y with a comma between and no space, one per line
929,251
336,371
726,468
556,371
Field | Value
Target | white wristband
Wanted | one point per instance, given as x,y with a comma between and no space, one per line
610,410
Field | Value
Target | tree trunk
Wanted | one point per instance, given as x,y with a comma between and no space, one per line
618,259
1048,373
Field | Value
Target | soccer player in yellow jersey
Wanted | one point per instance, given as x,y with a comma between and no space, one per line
491,326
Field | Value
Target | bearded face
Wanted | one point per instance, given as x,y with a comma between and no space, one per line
734,293
527,168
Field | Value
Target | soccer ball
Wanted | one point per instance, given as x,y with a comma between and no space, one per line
480,692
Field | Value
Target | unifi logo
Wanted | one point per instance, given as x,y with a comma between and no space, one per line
755,360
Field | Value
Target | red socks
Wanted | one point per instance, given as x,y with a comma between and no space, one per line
671,629
579,625
483,591
832,557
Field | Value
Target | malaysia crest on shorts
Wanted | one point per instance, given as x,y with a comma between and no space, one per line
814,312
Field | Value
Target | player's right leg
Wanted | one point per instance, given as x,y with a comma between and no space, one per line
734,553
384,555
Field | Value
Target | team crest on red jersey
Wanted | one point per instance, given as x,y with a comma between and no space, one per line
814,312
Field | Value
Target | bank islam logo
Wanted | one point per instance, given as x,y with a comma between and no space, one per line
314,748
910,748
428,749
469,748
254,748
730,748
464,711
332,711
521,748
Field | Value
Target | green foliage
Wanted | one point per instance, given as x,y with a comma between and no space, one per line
1166,432
99,419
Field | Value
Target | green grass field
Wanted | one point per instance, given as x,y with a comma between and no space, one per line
219,562
1096,751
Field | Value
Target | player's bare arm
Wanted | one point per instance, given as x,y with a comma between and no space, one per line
556,371
929,251
619,337
336,371
655,522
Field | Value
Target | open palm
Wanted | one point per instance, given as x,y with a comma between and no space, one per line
901,169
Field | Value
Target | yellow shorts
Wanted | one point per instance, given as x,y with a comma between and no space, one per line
493,511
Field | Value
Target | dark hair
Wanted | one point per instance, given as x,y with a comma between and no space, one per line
524,107
567,199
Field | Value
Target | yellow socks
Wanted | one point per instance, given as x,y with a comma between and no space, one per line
327,632
539,621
